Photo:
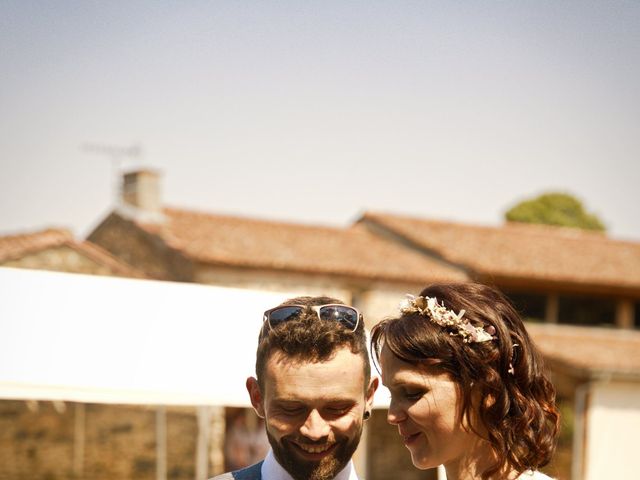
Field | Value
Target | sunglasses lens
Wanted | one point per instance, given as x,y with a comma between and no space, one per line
347,316
284,314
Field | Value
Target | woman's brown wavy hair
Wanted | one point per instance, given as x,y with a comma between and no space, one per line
517,410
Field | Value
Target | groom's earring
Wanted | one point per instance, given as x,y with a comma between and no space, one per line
366,415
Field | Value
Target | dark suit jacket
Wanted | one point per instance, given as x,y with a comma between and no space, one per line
249,473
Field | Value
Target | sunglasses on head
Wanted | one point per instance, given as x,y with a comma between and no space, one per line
345,315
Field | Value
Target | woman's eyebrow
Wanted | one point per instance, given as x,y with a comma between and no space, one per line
400,382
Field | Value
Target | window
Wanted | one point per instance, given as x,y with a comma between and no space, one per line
587,311
531,307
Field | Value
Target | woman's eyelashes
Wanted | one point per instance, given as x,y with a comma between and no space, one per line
414,395
409,394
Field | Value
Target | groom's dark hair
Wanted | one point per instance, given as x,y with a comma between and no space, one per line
307,339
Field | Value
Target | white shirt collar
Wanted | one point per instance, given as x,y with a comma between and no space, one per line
272,470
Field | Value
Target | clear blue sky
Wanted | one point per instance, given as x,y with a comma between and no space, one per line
315,111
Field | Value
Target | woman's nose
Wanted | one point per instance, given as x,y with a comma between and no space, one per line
395,415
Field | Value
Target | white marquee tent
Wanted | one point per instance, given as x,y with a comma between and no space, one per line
112,340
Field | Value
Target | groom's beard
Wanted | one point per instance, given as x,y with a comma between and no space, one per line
289,456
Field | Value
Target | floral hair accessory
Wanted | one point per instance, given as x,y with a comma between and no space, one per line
440,315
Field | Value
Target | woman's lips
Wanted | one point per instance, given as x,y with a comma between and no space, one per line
410,438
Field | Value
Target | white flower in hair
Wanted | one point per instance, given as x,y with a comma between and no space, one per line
442,316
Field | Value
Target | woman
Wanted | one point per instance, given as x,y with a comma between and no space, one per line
468,390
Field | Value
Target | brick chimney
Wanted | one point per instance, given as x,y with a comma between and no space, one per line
141,196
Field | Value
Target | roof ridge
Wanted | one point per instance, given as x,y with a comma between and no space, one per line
255,220
59,231
510,227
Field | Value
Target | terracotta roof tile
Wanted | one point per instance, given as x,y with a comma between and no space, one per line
588,349
243,242
522,251
14,247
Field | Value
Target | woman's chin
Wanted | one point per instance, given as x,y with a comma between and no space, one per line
422,463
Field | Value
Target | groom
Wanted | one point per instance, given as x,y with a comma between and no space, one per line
313,388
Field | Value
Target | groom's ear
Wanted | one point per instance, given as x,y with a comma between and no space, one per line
255,395
373,386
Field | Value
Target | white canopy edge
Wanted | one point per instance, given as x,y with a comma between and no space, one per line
21,391
85,338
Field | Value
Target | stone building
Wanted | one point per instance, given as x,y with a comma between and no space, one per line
553,274
352,264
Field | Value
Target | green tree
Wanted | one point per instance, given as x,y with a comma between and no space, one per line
554,208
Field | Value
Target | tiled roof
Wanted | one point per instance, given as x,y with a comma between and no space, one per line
242,242
523,251
589,350
14,247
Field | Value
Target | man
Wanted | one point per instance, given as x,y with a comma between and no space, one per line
313,388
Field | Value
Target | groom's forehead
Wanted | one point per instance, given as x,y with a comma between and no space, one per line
343,372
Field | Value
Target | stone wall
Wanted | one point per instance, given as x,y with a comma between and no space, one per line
64,441
55,441
143,250
60,259
36,441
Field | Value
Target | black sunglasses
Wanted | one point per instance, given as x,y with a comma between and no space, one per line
345,315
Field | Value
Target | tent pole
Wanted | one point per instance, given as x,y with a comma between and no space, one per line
161,443
79,440
202,448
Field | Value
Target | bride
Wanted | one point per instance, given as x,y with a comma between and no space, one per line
468,389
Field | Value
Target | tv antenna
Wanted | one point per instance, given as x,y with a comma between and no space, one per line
116,156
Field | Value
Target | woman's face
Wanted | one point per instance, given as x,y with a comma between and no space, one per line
424,406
